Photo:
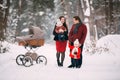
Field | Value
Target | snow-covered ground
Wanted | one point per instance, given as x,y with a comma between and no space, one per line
104,66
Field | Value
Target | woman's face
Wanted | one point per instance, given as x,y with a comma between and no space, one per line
62,20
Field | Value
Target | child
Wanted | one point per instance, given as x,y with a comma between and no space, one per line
75,52
60,29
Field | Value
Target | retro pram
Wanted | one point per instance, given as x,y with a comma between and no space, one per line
33,40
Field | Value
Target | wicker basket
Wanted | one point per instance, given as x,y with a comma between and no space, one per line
34,42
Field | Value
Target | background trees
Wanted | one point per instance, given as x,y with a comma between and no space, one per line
107,16
4,12
102,16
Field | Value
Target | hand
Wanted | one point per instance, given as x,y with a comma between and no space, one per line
75,53
61,31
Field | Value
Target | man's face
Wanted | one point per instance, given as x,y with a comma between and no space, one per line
75,21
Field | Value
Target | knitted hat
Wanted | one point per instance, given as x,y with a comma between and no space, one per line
59,23
76,42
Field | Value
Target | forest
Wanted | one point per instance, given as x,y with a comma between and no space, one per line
102,17
27,54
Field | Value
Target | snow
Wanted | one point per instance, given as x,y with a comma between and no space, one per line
87,12
2,6
41,13
111,42
25,30
104,66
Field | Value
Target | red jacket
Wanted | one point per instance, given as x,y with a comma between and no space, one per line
80,35
77,56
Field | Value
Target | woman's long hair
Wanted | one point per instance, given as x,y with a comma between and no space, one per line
64,24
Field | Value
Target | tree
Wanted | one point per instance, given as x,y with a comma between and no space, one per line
4,12
106,16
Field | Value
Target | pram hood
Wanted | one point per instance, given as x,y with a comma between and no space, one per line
34,33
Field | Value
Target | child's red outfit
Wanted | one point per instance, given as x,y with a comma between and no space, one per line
76,55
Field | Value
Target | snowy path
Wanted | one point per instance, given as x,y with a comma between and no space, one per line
95,67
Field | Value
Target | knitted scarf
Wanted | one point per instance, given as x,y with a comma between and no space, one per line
76,27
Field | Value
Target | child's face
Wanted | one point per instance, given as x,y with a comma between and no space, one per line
76,45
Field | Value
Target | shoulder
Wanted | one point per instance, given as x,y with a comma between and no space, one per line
84,26
73,25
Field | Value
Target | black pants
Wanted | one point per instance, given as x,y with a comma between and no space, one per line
75,62
81,57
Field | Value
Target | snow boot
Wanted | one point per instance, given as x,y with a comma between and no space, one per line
71,66
58,63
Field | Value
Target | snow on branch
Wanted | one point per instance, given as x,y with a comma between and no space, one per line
3,7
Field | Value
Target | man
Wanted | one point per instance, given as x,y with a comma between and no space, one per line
78,31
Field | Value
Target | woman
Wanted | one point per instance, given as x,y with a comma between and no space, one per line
61,40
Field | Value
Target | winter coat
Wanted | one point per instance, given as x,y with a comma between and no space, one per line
74,55
80,35
56,35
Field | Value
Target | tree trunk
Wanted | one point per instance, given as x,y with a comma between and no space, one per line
110,27
111,22
6,14
18,28
106,17
79,9
1,22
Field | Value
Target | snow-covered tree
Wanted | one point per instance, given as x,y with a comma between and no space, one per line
4,12
106,16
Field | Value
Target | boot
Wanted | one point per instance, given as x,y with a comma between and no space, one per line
58,63
71,66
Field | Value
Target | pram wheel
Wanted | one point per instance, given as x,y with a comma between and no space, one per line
41,60
27,61
19,59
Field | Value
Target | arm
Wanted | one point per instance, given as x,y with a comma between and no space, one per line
66,33
54,32
70,34
84,33
79,52
71,47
